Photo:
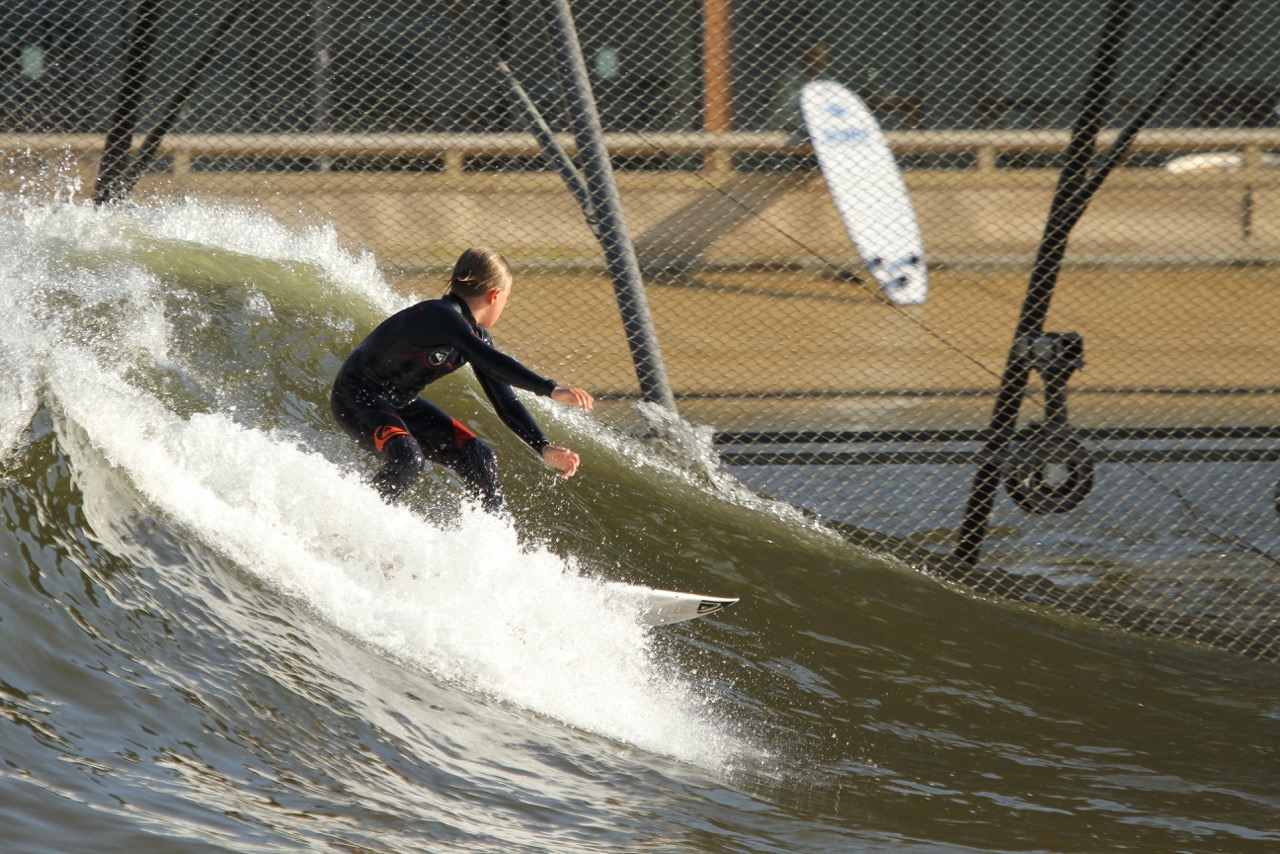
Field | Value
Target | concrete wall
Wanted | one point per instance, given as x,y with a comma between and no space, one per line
974,216
1140,216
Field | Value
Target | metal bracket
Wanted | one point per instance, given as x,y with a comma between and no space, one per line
1055,356
1042,447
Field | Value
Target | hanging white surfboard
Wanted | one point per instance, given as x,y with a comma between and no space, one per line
867,188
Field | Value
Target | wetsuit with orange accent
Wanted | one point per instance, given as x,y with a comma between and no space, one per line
375,397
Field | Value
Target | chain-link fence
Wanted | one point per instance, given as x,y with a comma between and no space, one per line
1080,207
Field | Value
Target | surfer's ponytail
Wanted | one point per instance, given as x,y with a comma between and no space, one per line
478,271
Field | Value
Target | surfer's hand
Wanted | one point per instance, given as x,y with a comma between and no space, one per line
575,396
561,458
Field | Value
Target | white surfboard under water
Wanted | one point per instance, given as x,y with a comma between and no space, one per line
867,188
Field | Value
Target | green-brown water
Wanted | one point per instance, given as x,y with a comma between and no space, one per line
217,638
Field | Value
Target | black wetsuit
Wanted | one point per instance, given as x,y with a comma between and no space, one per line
375,397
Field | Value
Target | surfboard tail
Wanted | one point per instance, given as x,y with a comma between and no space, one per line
904,282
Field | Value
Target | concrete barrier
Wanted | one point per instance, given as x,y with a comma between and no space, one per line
978,215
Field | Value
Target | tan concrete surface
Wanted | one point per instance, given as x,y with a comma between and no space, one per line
965,217
1172,282
1162,345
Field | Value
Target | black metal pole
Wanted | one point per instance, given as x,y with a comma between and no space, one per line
321,76
1120,148
597,170
1076,186
124,119
552,150
147,153
1044,276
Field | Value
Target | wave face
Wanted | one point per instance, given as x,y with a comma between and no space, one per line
216,637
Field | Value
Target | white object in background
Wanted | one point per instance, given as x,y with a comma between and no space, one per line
867,188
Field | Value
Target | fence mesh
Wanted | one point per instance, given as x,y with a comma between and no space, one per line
1076,406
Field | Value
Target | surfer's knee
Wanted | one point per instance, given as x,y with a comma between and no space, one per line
404,464
478,467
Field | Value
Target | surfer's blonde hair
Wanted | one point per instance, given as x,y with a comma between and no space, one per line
478,271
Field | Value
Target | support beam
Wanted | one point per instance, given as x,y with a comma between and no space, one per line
1076,187
606,204
124,119
146,155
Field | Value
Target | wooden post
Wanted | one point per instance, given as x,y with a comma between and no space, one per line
717,74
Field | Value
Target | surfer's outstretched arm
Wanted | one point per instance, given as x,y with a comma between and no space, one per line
517,417
563,459
574,396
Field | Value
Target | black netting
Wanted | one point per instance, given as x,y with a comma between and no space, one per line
1075,405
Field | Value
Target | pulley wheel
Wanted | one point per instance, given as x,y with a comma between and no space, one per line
1048,472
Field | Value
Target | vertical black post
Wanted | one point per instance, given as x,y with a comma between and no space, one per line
552,150
620,253
982,28
147,153
124,119
503,39
1044,276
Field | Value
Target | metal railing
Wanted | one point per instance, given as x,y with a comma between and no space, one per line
978,150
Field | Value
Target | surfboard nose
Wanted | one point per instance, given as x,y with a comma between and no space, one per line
710,606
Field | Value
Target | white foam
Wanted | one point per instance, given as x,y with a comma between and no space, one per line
17,364
465,603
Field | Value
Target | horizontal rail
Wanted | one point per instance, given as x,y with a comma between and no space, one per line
987,146
944,457
952,457
777,446
1088,434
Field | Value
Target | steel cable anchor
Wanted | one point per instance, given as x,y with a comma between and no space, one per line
1047,470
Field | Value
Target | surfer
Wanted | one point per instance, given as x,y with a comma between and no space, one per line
375,395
